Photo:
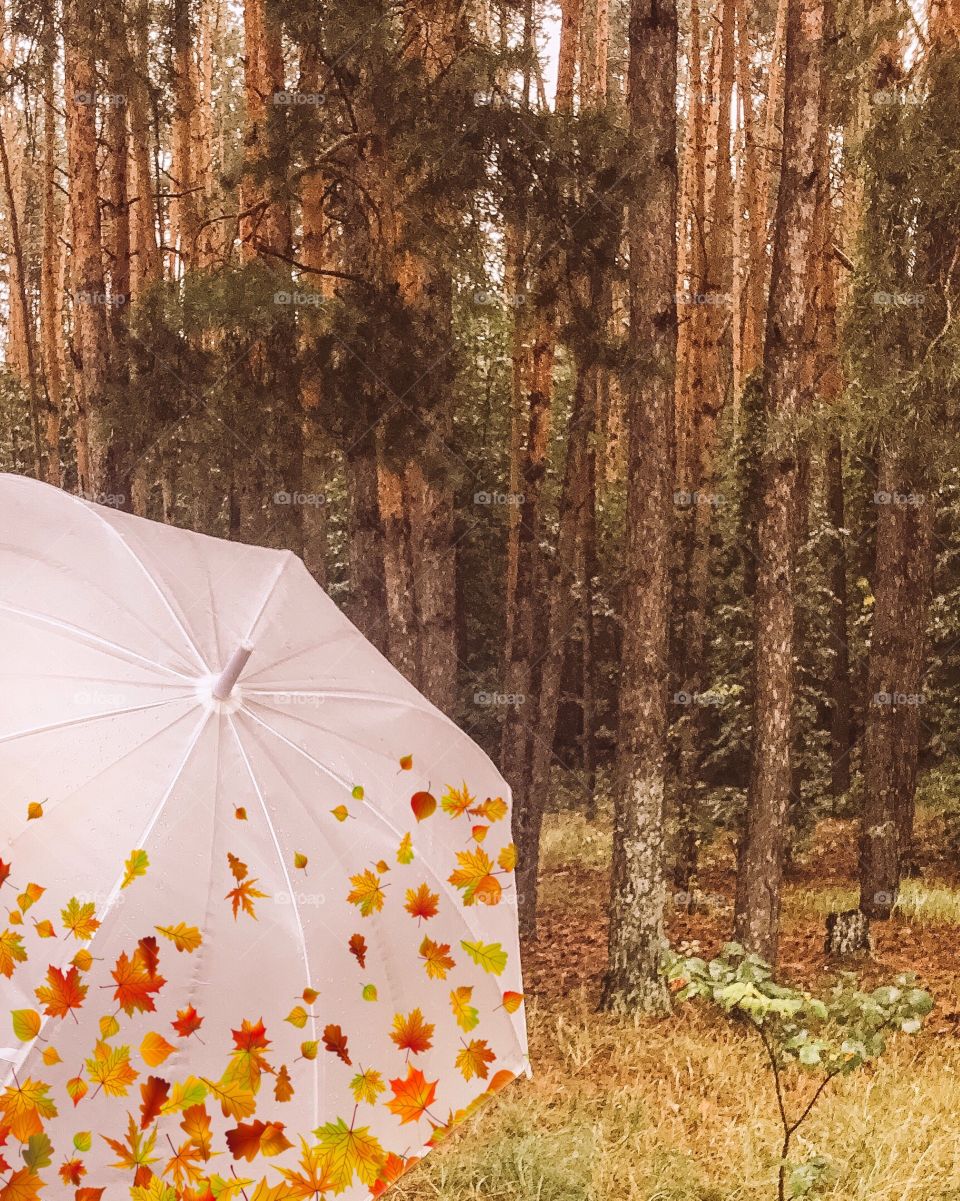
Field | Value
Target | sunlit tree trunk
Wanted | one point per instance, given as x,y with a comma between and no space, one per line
636,938
99,475
146,267
416,490
20,333
906,504
707,384
894,682
275,466
757,911
768,170
51,331
314,256
184,221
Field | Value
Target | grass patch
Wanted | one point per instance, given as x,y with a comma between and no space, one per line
684,1111
919,902
570,840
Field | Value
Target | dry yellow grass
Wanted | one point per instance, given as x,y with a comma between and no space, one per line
922,901
684,1111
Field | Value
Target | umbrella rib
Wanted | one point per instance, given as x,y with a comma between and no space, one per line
117,887
115,648
295,716
292,894
164,600
80,721
350,695
268,597
306,754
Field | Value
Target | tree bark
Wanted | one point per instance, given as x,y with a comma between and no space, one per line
51,331
146,264
101,477
276,466
707,382
184,219
636,937
838,619
894,682
760,874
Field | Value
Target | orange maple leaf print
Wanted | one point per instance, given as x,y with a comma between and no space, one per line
421,903
411,1033
457,801
474,877
62,994
137,980
367,893
188,1022
475,1059
412,1097
436,958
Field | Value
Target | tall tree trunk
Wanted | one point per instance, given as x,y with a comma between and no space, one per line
21,343
768,166
749,231
757,911
838,619
146,266
691,269
700,409
266,231
51,330
419,535
537,736
894,683
521,676
184,220
94,428
535,338
315,256
636,938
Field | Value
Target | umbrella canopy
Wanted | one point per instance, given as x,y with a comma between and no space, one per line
257,915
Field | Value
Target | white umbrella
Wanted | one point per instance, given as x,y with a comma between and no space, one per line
221,804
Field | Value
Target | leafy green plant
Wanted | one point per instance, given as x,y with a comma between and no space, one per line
802,1035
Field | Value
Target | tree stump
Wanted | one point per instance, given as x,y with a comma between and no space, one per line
848,933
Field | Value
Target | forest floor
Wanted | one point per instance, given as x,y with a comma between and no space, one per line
684,1109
